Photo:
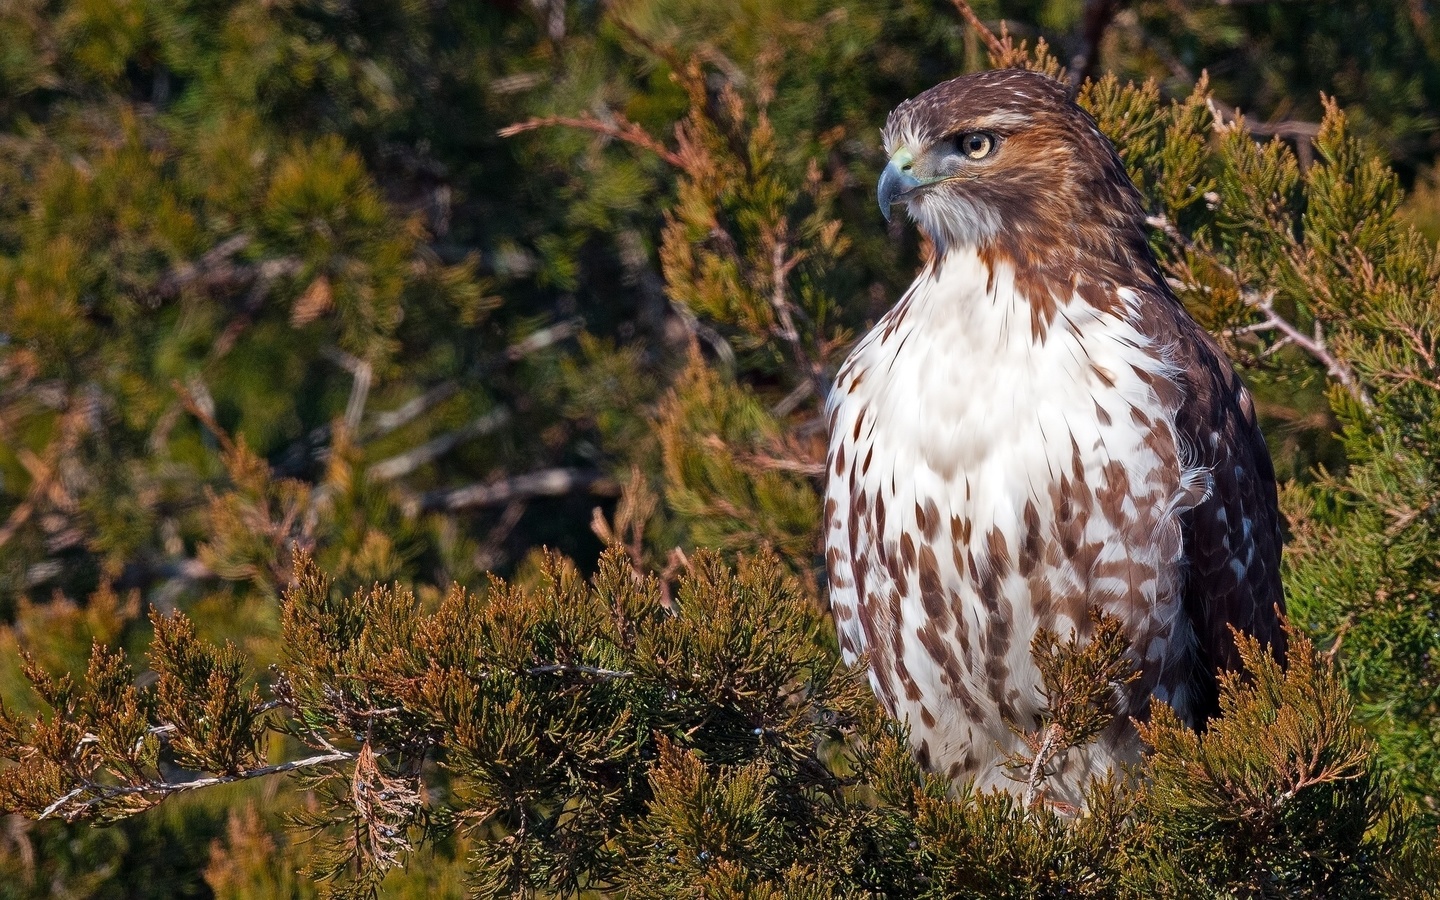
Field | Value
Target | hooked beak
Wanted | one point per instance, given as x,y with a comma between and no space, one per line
896,181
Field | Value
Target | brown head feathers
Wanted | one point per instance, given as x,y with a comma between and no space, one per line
1010,166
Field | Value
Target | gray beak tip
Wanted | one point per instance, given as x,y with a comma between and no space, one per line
894,184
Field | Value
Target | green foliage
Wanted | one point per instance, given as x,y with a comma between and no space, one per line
1280,795
589,737
1081,683
730,479
274,287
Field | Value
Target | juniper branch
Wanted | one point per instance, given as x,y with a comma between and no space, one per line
163,789
1264,303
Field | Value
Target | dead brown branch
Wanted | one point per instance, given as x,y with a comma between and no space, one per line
45,470
622,129
992,43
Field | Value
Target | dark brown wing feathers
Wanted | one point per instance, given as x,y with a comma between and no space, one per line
1232,539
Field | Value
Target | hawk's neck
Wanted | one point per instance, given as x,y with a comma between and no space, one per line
974,353
1015,301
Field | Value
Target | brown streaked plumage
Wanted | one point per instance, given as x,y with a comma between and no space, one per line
1037,427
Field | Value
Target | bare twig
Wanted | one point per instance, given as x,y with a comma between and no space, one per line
785,318
50,810
45,471
791,401
545,483
362,372
1226,116
386,422
543,338
162,789
174,576
1049,746
407,462
488,557
198,410
1334,651
780,464
621,130
563,669
389,421
767,461
681,67
213,267
699,331
1302,133
1096,21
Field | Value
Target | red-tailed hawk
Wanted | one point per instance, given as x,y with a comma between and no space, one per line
1036,427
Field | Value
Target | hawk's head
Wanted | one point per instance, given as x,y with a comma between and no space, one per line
1005,154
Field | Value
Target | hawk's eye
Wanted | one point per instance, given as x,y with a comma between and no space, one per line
976,144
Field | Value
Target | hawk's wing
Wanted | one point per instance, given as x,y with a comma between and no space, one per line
1232,539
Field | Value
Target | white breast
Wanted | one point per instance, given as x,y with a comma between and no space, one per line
951,408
